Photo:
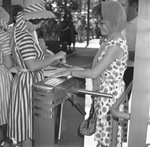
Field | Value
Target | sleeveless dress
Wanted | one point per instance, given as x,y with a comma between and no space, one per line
20,112
5,77
110,81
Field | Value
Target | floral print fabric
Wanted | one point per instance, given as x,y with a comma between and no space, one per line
111,81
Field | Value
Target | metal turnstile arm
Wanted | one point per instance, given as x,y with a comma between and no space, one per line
117,114
83,91
93,93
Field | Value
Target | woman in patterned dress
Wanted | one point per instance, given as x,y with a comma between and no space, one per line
5,75
29,57
108,69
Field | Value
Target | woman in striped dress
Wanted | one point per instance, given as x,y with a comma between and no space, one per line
29,57
5,75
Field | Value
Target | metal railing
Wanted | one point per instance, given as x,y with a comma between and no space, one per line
118,114
114,109
93,93
88,92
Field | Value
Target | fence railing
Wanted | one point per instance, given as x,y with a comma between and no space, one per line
118,114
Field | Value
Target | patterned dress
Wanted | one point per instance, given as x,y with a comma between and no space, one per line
110,81
20,114
5,76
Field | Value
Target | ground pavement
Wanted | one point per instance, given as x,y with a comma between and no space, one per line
84,54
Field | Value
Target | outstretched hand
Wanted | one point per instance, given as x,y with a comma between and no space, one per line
60,55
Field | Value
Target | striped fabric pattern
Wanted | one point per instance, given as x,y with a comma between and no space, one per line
35,7
37,11
20,25
20,113
5,77
4,24
5,43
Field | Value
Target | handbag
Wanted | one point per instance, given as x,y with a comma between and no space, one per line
88,126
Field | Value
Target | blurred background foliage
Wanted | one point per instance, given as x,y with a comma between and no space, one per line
77,8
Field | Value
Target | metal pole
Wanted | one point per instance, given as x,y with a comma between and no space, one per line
93,93
88,17
80,9
65,7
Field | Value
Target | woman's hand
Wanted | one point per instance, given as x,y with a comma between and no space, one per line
60,55
34,64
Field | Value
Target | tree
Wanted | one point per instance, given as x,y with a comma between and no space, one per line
64,5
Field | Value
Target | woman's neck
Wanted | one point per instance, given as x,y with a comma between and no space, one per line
113,35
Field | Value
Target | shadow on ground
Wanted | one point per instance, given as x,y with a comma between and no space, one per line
82,57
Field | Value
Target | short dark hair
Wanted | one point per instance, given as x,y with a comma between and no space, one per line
15,10
131,2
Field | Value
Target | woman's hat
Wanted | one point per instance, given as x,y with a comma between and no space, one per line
35,9
4,16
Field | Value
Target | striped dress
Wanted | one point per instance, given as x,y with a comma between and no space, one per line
20,113
5,76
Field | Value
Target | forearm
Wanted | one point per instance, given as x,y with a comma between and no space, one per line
87,73
8,62
34,65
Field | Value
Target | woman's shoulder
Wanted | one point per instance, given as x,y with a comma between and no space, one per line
23,37
118,40
21,34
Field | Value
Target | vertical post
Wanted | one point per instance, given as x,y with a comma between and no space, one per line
141,82
80,2
7,5
114,132
88,17
65,4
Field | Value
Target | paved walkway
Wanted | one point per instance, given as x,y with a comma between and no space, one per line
83,56
93,43
89,51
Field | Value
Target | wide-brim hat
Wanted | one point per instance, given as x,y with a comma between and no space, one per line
35,9
4,16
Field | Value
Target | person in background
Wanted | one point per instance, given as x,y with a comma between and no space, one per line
108,69
82,29
93,27
131,8
65,34
5,75
98,30
29,57
77,25
76,29
72,31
